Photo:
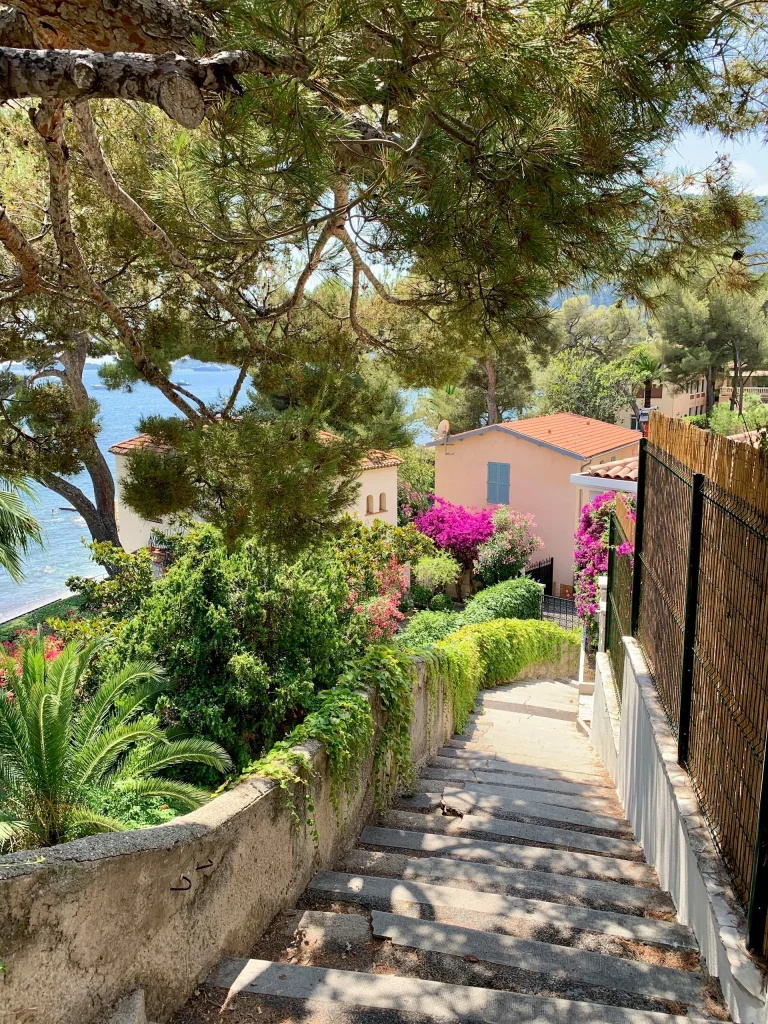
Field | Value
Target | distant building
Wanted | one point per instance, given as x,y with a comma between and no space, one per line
376,498
672,401
528,464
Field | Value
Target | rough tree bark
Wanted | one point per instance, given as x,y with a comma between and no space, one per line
150,26
176,84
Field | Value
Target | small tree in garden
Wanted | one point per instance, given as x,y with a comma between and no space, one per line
590,556
436,572
508,550
457,529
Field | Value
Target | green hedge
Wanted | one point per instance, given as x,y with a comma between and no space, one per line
512,599
490,653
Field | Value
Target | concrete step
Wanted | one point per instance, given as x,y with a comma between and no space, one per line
488,908
490,761
540,835
442,768
515,881
605,804
433,1000
536,858
468,801
558,963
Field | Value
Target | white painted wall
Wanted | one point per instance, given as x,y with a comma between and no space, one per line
373,484
134,531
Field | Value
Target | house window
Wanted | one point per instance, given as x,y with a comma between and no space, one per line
382,502
498,483
633,423
369,505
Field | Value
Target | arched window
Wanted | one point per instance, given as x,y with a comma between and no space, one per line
369,505
382,502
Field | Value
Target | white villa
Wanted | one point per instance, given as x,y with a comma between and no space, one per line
376,498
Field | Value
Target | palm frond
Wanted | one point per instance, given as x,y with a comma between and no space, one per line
82,821
183,751
102,704
169,789
100,754
18,528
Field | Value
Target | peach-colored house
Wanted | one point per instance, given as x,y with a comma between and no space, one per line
527,464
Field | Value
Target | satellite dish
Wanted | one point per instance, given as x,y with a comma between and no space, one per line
443,429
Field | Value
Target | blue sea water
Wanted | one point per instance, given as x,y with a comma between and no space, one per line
64,553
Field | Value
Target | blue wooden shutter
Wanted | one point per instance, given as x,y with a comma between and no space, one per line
498,483
493,483
503,490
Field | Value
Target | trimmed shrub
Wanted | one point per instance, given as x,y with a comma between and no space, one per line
441,603
427,627
421,595
513,599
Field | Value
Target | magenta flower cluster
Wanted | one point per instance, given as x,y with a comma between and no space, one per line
590,555
456,528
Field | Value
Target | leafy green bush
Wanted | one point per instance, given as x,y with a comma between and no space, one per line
427,627
436,572
421,596
441,603
120,593
246,640
63,758
512,599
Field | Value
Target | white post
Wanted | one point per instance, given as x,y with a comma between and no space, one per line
602,598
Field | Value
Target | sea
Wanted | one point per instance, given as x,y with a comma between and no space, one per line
64,553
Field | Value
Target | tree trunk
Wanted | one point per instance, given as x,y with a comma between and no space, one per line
709,399
648,386
101,522
490,394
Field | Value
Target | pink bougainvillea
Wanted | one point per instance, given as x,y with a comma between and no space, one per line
456,528
590,555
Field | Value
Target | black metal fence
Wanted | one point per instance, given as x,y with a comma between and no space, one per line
560,610
699,609
619,600
543,572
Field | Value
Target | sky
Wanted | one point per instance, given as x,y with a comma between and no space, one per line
695,151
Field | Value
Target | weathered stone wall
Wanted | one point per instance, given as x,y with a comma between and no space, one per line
85,923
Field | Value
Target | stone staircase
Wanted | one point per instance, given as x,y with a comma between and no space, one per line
507,888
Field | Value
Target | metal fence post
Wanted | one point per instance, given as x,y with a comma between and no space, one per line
689,623
634,613
757,911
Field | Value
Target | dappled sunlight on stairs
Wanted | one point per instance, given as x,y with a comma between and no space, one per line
507,888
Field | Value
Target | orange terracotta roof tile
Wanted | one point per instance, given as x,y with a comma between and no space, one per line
132,444
622,469
577,435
